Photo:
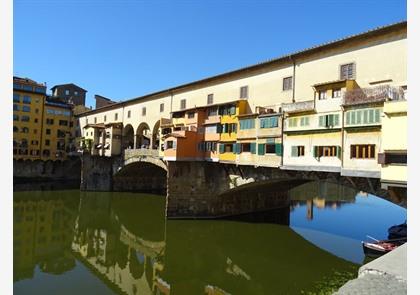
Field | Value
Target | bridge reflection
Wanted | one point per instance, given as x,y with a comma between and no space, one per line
127,243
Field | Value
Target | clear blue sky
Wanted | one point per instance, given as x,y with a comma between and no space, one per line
122,49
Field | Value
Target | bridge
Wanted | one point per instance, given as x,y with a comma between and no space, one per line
207,190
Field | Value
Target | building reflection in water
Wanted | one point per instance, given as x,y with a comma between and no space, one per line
322,195
126,242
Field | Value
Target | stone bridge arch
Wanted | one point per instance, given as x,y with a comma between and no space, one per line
128,137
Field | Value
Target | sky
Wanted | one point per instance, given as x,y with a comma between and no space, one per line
123,49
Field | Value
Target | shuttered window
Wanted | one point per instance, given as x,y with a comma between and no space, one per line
221,148
298,151
243,92
261,149
329,120
270,122
292,122
304,121
348,71
326,151
183,104
362,151
247,124
287,83
253,147
210,99
367,116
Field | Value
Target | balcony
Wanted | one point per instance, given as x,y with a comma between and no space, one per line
372,95
297,107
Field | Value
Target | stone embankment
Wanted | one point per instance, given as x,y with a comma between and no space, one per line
385,275
42,175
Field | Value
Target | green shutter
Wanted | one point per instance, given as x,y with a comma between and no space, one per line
234,127
365,116
253,147
221,148
322,121
261,149
371,116
377,116
348,118
353,118
336,119
338,152
219,128
359,117
294,151
315,151
279,149
233,110
330,120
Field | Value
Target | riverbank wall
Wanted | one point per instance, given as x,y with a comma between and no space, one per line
46,175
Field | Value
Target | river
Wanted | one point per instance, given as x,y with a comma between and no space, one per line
72,242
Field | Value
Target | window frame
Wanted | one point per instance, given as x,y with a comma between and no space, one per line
289,85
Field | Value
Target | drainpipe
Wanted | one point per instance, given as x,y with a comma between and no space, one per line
293,78
282,137
342,137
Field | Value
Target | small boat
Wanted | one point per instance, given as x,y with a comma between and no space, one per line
381,247
398,231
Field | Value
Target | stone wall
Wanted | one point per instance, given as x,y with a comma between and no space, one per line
96,173
68,169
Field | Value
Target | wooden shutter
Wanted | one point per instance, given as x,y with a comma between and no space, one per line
377,116
279,149
348,118
219,128
322,121
253,147
358,117
261,149
336,119
221,148
316,151
234,127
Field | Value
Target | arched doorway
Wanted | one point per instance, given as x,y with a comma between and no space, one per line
156,136
128,137
143,137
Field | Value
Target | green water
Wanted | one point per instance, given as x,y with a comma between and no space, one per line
68,242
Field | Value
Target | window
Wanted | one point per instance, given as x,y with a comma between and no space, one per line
336,92
362,151
76,93
143,111
15,117
34,142
26,109
270,148
212,112
227,110
243,92
327,151
183,104
393,158
15,129
36,111
128,114
116,117
228,148
24,118
50,121
329,120
16,97
298,151
47,131
287,83
67,92
210,99
348,71
36,120
247,124
94,120
322,94
162,107
15,107
47,142
35,131
367,116
228,127
270,122
46,153
27,87
63,123
210,129
25,130
246,147
292,122
105,118
304,121
26,99
170,144
190,115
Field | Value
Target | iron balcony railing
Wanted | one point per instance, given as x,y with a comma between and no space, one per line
373,94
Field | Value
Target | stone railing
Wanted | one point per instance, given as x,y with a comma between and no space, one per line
298,106
372,94
130,153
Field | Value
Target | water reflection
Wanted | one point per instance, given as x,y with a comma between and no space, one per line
124,241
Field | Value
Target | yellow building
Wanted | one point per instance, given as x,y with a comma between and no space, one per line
58,130
229,112
393,153
28,109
